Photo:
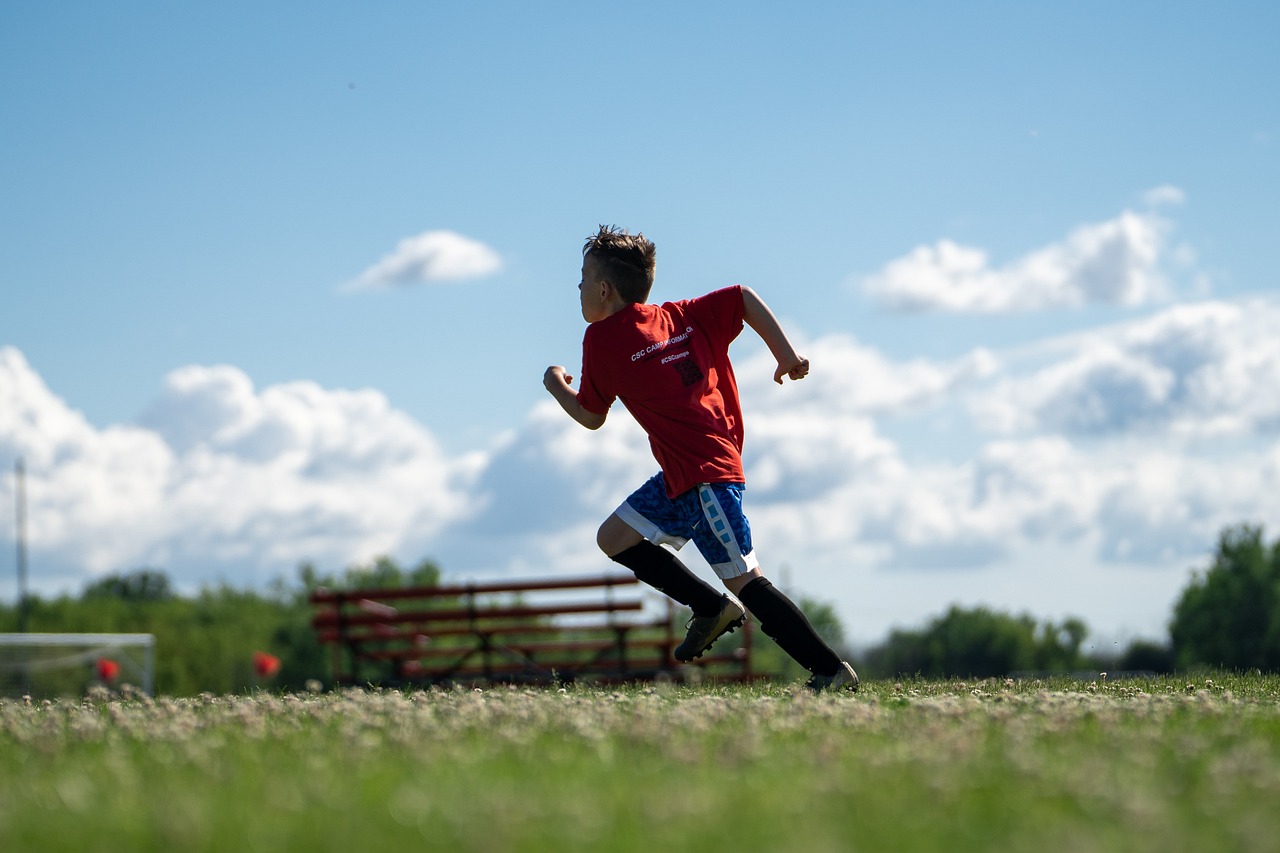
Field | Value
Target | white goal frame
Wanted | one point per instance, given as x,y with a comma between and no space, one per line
80,650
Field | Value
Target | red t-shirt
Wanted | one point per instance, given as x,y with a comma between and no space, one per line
669,365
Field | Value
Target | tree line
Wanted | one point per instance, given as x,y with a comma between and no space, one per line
221,639
225,640
1227,617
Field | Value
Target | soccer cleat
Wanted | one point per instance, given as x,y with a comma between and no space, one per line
844,679
705,630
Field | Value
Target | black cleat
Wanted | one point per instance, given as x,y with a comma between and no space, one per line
844,679
705,630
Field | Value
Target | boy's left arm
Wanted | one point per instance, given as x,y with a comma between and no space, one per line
756,314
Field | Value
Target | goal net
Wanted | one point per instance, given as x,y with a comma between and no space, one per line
47,666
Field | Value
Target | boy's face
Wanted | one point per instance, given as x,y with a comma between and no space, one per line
592,293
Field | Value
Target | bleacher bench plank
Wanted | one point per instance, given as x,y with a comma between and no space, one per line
467,632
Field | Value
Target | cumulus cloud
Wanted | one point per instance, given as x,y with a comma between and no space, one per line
1199,369
811,437
92,494
1097,466
432,256
1073,447
1134,501
849,376
1116,262
221,479
1127,503
544,488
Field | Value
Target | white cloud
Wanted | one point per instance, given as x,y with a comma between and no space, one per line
809,438
75,472
1088,476
226,481
432,256
544,489
848,376
1200,369
1116,262
1165,195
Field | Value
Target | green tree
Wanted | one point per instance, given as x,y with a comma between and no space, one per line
1146,656
381,573
1229,615
203,643
141,585
980,643
206,642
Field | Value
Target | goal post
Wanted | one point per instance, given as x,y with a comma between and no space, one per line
52,665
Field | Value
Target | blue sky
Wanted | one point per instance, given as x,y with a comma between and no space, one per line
1029,240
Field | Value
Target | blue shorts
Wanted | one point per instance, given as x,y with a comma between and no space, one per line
710,514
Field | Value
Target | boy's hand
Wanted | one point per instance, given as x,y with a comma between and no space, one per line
558,383
556,378
796,370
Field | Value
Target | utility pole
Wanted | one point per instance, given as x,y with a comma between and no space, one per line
20,501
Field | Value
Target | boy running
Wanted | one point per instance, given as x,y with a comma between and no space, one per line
669,365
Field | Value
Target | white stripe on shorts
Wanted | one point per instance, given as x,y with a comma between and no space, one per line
739,563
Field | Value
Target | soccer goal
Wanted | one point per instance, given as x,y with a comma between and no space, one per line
47,666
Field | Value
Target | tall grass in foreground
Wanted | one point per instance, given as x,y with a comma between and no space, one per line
993,765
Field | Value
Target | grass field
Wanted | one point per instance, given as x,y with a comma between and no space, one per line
1059,765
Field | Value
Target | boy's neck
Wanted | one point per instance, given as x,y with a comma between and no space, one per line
616,304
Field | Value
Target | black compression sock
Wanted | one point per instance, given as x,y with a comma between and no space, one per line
660,569
781,620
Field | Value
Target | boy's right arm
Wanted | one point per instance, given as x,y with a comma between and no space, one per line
557,381
756,314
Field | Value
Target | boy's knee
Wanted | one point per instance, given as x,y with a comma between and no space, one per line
736,584
616,536
603,540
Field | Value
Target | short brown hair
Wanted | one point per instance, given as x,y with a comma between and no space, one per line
626,261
